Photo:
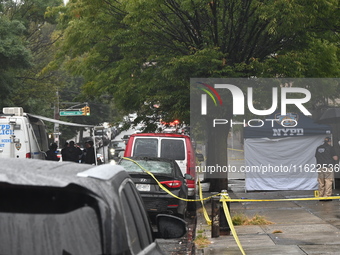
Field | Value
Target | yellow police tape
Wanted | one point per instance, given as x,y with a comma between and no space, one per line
201,199
165,189
224,199
205,213
229,199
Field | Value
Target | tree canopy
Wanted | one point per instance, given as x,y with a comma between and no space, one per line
143,53
25,48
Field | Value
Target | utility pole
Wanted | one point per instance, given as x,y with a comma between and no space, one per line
56,117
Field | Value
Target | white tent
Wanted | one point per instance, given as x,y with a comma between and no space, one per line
281,157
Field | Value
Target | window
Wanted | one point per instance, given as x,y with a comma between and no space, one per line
40,134
147,147
136,221
173,149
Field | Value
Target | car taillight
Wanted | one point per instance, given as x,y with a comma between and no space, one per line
28,155
191,184
172,184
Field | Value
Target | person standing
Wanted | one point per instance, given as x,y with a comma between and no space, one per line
63,152
90,157
326,159
73,152
51,154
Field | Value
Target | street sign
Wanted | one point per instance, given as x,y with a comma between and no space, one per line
71,113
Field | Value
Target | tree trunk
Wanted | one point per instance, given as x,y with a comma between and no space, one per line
217,157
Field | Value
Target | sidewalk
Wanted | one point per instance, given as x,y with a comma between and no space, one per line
300,227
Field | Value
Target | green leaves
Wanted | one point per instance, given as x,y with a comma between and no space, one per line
25,49
13,52
147,50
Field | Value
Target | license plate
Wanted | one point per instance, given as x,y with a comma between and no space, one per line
143,187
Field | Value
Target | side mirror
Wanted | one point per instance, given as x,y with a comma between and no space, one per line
199,157
188,177
170,226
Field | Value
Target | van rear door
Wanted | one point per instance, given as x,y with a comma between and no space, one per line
174,148
162,147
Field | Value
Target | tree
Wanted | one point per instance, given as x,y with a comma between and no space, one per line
25,48
144,52
13,54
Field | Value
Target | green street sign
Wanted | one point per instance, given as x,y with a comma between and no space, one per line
71,113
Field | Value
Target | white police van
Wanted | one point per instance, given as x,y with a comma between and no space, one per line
21,135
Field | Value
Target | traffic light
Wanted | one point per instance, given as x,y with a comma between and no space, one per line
86,110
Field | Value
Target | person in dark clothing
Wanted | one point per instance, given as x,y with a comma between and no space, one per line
51,154
73,152
90,157
63,152
325,159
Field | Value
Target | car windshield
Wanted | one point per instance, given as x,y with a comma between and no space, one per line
153,166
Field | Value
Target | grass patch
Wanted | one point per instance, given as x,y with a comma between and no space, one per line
241,219
201,241
277,231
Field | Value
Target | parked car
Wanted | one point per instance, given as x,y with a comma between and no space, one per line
172,146
114,132
126,138
116,149
168,173
51,207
